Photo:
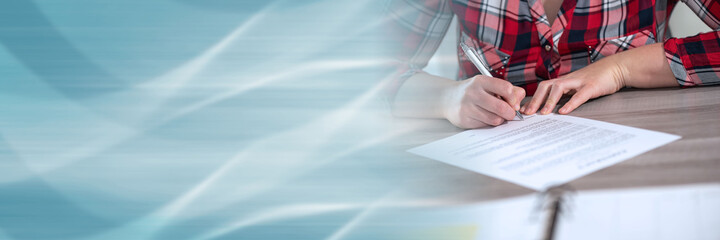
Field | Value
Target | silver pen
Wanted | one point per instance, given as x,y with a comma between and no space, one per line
480,65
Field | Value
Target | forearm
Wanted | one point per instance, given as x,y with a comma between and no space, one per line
424,96
642,67
645,67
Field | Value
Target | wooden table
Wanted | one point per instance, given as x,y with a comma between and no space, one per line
693,113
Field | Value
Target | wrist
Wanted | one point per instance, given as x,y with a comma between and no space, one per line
621,73
624,78
452,97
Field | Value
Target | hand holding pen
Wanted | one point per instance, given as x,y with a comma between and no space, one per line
482,100
480,65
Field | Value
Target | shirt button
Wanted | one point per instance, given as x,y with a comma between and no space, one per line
548,47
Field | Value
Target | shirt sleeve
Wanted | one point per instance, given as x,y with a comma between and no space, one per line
415,30
695,60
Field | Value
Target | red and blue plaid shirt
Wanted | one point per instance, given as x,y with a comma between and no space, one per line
519,44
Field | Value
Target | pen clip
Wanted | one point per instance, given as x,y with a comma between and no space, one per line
476,59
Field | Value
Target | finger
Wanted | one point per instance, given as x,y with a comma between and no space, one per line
482,115
502,88
495,105
472,116
540,95
487,117
582,96
556,92
468,122
466,115
519,94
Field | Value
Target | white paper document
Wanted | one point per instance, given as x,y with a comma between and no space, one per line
543,150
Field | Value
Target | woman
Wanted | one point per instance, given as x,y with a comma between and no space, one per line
545,48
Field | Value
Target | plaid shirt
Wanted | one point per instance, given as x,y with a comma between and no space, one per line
517,41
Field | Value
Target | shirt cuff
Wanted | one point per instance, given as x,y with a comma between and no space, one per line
394,82
695,60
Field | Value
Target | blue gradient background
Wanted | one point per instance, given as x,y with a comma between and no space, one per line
190,119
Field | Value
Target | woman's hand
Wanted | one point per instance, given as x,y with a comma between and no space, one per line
601,78
482,101
642,67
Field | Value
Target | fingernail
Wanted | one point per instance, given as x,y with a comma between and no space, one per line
522,109
544,110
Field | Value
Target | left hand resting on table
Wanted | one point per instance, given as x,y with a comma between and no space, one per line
642,67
